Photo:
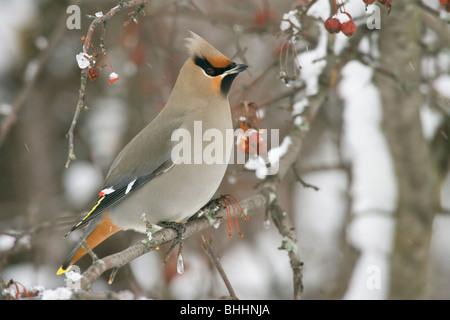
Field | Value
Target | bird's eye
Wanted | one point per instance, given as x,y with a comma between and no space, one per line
210,71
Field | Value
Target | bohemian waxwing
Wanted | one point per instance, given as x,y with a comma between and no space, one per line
144,178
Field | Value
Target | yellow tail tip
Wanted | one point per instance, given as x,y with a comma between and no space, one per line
61,270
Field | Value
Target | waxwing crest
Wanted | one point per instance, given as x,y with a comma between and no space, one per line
199,48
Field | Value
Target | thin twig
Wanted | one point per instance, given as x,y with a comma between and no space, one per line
80,105
280,220
104,18
430,10
302,182
86,247
215,261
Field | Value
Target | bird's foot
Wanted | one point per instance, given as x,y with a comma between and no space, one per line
180,229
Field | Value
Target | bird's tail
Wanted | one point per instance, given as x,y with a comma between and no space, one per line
96,233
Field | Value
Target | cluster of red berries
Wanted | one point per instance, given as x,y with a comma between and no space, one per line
94,69
334,25
249,117
446,4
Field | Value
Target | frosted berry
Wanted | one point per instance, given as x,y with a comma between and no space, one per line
332,25
348,28
113,77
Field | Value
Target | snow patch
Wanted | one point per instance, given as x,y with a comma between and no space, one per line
259,165
61,293
289,20
83,60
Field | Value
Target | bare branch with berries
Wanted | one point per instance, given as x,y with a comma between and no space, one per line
88,63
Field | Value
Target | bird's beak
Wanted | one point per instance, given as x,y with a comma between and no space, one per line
237,69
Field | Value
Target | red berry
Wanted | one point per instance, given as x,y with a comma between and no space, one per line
349,28
369,1
442,2
332,25
93,73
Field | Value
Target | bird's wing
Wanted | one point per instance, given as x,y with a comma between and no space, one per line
112,195
145,157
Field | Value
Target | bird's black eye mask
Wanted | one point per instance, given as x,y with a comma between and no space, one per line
209,69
